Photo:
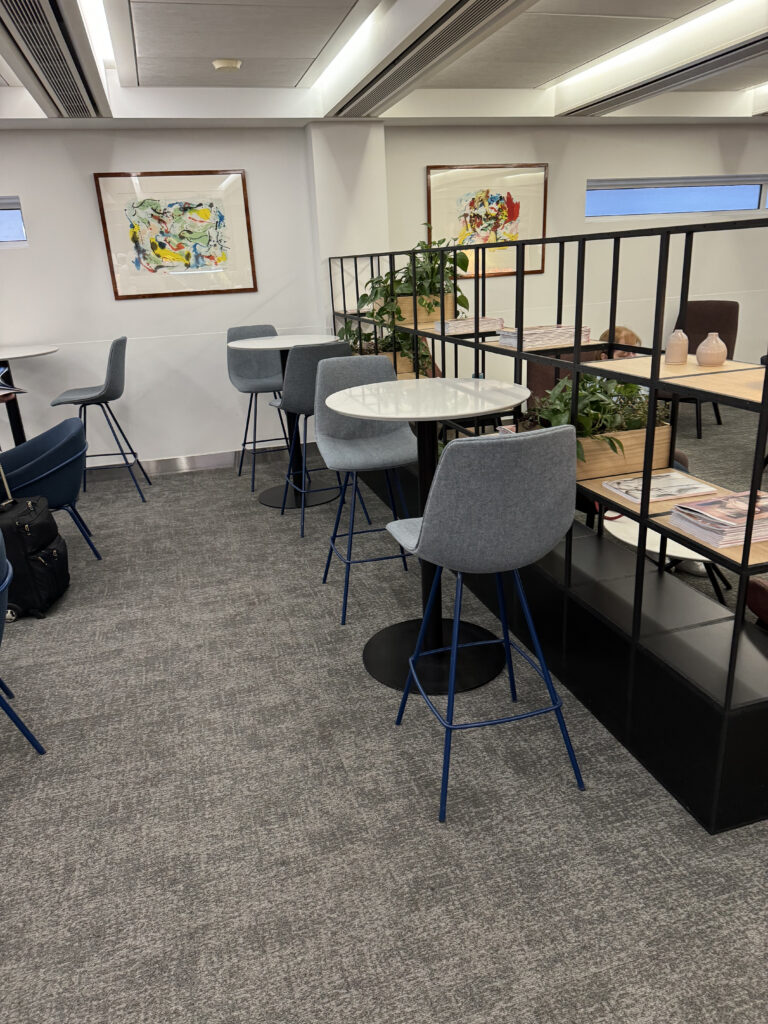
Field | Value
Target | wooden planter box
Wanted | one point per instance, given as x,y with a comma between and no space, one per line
601,461
425,319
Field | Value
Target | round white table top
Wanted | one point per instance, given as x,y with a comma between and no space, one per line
628,530
427,398
280,342
25,351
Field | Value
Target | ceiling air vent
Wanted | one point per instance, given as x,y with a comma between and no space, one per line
460,24
38,29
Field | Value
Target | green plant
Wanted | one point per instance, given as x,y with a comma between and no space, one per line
604,405
381,298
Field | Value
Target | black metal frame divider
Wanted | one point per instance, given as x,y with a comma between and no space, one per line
679,680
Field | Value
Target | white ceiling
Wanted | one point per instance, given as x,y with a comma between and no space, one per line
735,79
176,40
553,38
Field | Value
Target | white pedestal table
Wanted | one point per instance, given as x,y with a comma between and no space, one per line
8,352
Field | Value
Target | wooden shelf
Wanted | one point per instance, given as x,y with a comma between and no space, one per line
758,553
640,366
596,486
746,385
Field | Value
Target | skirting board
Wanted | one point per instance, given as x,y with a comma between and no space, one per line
193,463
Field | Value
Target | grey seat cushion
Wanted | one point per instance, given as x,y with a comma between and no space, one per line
358,454
80,396
257,386
406,532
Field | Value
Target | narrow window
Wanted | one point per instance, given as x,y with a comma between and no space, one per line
11,221
643,197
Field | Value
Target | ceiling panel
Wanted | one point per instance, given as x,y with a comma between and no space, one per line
735,79
669,9
266,73
195,30
534,48
221,4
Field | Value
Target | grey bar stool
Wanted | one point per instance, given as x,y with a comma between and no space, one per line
495,505
254,373
353,446
102,395
298,400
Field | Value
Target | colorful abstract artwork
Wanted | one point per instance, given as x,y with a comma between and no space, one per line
490,204
176,233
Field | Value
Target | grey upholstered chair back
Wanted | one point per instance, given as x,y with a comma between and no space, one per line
301,374
498,503
114,383
247,368
339,374
707,316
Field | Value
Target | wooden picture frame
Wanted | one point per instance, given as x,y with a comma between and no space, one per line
172,233
457,194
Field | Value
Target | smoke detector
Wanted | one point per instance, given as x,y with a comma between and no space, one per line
227,64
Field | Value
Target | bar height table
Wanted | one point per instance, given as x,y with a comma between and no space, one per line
283,343
8,352
428,401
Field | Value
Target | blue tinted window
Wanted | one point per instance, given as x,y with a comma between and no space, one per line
12,226
624,202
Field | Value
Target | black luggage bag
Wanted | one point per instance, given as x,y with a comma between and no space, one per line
38,556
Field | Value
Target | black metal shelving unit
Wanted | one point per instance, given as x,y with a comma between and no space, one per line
677,677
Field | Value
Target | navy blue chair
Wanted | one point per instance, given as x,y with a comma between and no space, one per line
5,691
52,465
101,395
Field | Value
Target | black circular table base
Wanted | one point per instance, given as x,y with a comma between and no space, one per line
273,497
386,655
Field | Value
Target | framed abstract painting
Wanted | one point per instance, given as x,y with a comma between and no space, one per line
488,203
176,232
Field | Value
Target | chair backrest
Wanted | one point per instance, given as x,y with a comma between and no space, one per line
246,368
500,502
707,316
338,374
301,374
5,582
50,464
114,383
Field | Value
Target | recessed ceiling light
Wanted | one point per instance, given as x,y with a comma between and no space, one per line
227,64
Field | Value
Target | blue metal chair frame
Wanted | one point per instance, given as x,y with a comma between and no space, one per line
107,410
71,508
541,668
23,728
251,445
346,558
306,478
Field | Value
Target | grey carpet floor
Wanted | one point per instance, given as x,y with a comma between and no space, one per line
228,827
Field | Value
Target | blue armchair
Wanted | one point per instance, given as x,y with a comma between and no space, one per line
51,465
6,574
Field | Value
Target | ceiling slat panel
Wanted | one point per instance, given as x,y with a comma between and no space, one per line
261,73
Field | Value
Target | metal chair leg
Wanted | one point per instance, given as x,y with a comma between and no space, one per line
276,395
79,522
451,694
335,533
128,443
288,480
718,417
698,419
505,633
304,476
709,568
348,562
419,642
6,689
253,446
25,731
83,417
245,435
548,681
359,497
128,466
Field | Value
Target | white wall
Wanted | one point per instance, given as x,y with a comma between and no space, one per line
178,399
725,265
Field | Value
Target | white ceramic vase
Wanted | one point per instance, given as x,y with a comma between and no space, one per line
677,348
712,351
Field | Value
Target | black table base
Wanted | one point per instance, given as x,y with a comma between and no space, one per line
273,496
386,655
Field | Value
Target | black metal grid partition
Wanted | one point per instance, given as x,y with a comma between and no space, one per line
677,677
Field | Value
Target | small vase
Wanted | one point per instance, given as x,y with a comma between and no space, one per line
677,348
712,351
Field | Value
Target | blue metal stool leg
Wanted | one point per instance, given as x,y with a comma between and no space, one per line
348,562
294,435
83,417
253,446
303,475
23,729
340,506
80,524
419,642
505,634
128,444
6,689
125,457
359,497
451,694
245,435
393,506
548,681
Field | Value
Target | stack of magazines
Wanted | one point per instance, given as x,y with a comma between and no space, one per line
553,336
721,521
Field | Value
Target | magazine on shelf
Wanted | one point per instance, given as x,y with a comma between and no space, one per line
722,521
486,325
664,487
549,336
8,389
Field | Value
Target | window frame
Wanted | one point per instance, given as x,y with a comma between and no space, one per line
701,181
